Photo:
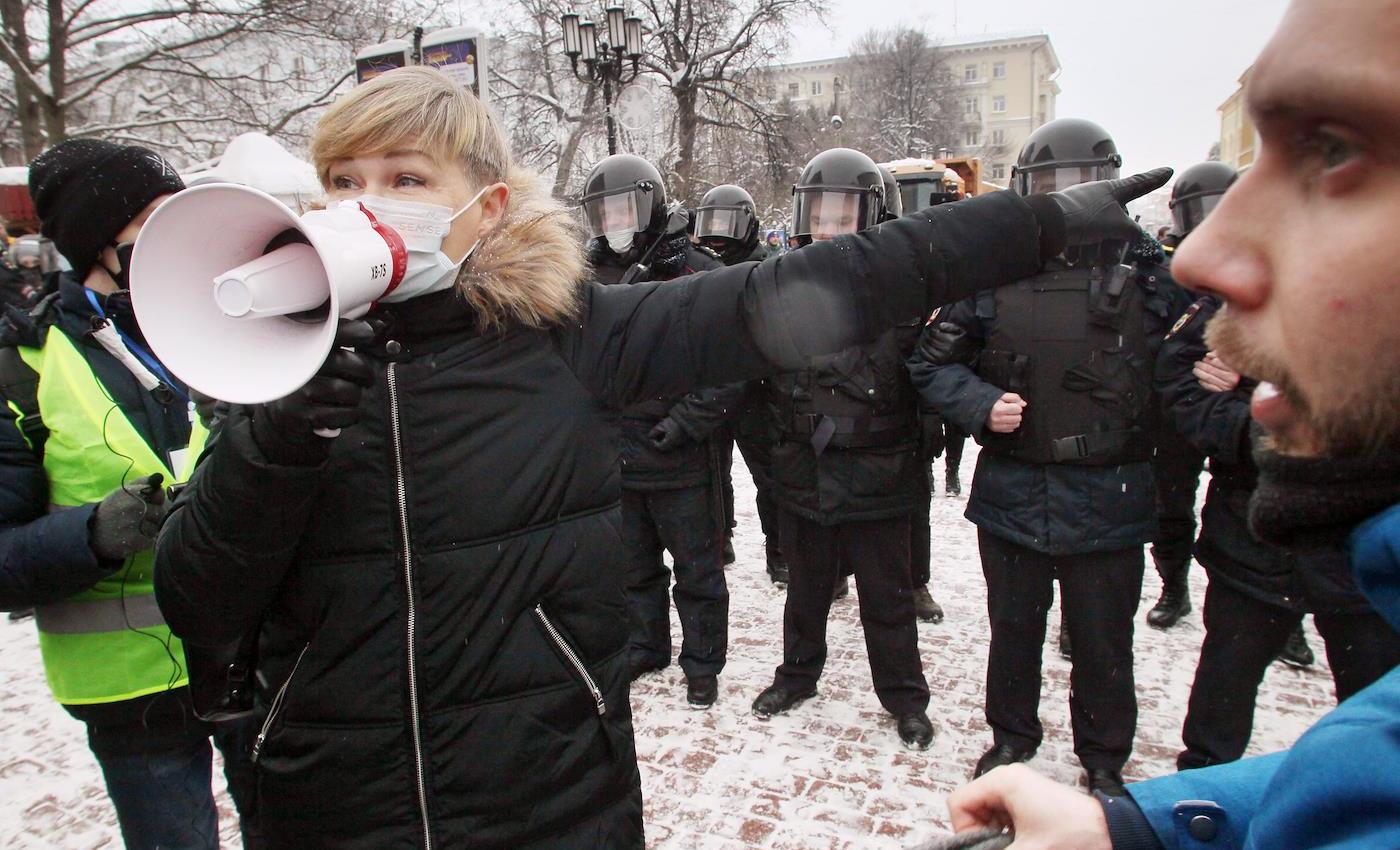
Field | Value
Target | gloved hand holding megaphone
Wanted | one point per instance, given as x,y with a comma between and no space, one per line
293,430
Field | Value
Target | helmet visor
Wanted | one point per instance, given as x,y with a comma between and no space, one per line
722,222
613,213
824,213
1187,215
1040,181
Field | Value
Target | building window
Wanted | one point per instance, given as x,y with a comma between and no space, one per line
999,103
970,106
816,87
998,172
969,73
794,90
998,70
998,137
974,138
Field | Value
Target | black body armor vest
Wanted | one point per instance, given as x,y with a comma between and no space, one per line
1071,342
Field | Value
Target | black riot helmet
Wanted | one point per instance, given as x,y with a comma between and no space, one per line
1196,192
1065,153
623,194
894,204
725,222
840,191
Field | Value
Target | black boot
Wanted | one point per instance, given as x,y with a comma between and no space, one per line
728,551
1106,782
999,755
1175,602
915,730
925,608
701,691
951,485
1066,651
777,567
776,700
1296,652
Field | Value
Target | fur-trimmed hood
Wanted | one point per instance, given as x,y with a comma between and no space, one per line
529,269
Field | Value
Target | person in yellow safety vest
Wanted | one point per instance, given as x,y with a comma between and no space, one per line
92,428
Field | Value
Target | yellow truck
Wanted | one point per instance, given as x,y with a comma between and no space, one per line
927,182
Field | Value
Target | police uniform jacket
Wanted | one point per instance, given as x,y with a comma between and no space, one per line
1054,508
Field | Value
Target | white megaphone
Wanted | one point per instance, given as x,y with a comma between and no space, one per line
239,297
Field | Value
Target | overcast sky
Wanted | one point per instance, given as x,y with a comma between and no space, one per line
1152,73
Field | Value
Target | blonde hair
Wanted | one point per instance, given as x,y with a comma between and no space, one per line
528,269
419,107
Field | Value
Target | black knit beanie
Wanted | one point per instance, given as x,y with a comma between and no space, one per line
87,190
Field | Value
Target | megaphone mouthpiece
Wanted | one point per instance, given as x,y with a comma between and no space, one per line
288,280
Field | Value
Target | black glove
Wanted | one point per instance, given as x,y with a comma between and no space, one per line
1092,212
666,435
285,429
128,519
945,343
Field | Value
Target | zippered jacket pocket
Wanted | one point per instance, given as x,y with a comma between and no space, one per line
275,710
580,671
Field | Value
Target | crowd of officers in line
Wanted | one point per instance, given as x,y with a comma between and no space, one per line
1090,388
1096,402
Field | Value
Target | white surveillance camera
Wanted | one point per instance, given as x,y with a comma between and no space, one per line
837,122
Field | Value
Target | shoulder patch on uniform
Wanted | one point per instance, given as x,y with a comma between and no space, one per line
1186,318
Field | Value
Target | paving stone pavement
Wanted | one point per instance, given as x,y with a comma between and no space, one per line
830,775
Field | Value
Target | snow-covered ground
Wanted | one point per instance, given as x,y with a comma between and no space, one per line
831,774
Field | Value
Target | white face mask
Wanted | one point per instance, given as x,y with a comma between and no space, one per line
621,241
423,227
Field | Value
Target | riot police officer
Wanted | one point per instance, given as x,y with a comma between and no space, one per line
727,224
1058,398
849,478
671,477
931,444
1177,465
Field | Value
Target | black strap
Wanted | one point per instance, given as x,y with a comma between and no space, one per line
1081,447
20,385
807,424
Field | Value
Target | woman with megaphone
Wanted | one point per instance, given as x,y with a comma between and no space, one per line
439,589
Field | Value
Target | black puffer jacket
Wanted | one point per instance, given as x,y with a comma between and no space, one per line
1219,424
423,594
1057,509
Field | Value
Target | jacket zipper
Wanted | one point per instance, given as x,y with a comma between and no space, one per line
573,659
402,493
276,708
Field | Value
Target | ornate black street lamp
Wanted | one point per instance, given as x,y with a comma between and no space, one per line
609,57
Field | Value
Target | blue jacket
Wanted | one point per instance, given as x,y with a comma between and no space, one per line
1337,788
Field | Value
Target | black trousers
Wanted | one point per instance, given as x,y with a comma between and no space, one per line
758,456
1099,598
724,444
1243,636
683,523
921,542
1176,469
878,552
954,438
